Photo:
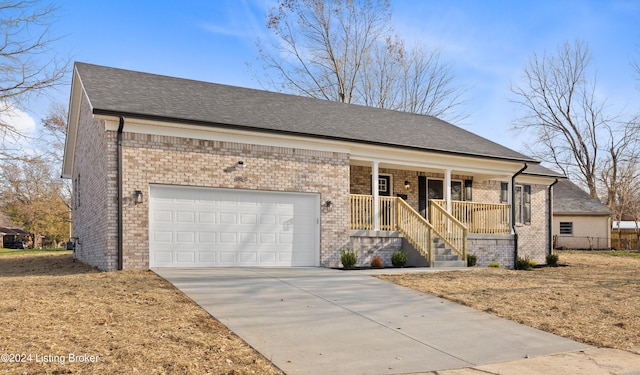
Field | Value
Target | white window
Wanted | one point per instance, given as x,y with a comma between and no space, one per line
522,204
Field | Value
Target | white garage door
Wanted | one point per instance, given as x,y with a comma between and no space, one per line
204,227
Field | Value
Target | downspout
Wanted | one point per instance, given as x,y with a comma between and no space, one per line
550,228
513,214
119,188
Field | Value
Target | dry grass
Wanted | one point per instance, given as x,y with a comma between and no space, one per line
133,321
594,299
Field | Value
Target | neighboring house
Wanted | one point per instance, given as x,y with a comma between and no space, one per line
9,232
579,220
169,172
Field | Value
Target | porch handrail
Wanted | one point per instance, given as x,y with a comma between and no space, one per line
362,212
416,229
482,218
452,232
396,214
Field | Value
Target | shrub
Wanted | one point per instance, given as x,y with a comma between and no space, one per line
377,262
349,258
399,258
523,264
552,260
494,265
471,260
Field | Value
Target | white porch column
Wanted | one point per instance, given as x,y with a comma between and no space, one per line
447,189
374,191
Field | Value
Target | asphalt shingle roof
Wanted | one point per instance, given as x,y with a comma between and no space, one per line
570,199
142,95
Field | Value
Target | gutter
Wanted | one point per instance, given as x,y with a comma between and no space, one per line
550,227
513,214
119,192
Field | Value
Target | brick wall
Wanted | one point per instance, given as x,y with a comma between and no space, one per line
94,216
369,244
154,159
492,249
533,240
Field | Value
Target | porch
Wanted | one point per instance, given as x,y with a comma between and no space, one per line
449,224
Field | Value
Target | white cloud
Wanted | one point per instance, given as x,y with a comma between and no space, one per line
17,120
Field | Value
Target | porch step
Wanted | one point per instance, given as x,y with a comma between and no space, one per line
444,257
448,263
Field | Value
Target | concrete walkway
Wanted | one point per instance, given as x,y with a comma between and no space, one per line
323,321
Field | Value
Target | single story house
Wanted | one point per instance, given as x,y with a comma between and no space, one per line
579,220
9,232
171,172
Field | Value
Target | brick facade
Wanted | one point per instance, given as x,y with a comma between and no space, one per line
532,238
94,186
154,159
160,159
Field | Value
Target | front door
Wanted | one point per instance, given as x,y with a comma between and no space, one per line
384,186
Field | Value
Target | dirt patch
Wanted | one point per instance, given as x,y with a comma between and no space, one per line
594,300
55,312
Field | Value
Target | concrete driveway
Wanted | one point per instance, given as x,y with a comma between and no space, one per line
324,321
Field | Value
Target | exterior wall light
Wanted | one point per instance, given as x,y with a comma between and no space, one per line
138,196
407,185
326,206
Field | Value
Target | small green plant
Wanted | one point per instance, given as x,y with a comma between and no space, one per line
494,265
523,264
552,260
399,258
471,260
377,262
349,258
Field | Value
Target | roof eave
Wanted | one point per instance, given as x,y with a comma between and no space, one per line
141,116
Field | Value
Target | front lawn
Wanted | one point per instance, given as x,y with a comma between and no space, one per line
4,251
60,316
594,299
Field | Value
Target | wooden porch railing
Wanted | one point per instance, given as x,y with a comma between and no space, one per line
416,230
362,212
449,229
396,214
484,218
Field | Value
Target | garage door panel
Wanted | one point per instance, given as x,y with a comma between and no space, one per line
185,217
228,257
185,257
228,218
185,237
248,238
267,238
220,227
206,217
163,216
163,257
207,257
206,237
231,238
162,236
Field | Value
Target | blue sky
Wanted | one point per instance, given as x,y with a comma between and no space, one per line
489,42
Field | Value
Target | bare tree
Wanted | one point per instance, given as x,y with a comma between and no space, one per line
26,66
346,51
574,131
32,199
